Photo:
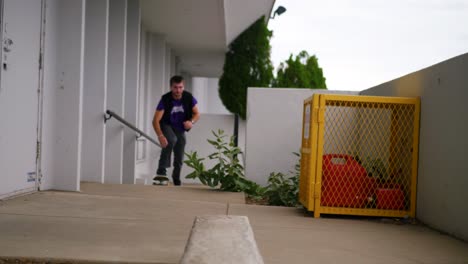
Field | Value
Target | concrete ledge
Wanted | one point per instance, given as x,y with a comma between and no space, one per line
33,260
221,239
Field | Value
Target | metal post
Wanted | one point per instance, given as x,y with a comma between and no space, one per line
236,130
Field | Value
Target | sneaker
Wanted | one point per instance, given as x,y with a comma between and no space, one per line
177,182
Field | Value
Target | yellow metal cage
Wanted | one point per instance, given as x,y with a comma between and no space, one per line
359,155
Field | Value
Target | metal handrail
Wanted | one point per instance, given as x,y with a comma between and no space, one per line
111,114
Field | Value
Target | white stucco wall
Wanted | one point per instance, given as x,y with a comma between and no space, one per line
443,146
274,129
200,91
206,92
154,87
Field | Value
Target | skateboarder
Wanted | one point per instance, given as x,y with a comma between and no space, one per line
176,113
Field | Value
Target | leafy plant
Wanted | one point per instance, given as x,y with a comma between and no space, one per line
283,190
227,173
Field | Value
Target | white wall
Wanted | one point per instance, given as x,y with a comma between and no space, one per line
155,86
94,91
200,92
206,92
443,146
167,64
188,82
115,90
63,87
215,105
274,130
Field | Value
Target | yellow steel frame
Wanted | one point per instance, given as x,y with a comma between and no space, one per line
414,173
313,154
314,146
306,193
304,178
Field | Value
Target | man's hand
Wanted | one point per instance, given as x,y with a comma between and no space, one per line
163,141
188,125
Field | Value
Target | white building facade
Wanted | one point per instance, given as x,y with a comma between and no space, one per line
65,62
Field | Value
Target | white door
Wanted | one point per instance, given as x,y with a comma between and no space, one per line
19,85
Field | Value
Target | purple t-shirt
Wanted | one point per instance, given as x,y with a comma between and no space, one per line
177,112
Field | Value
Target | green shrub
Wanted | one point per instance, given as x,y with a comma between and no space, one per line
283,190
247,64
303,71
228,173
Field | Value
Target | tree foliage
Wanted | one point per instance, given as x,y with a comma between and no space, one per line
247,64
302,71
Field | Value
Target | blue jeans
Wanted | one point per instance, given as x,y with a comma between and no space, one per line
176,143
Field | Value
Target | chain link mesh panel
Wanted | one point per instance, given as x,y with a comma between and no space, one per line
367,151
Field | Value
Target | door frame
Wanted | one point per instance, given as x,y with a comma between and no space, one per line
40,97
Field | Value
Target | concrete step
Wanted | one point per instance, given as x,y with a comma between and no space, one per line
103,223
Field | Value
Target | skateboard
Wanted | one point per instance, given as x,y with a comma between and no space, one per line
161,180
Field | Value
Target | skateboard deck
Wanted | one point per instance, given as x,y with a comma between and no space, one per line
160,180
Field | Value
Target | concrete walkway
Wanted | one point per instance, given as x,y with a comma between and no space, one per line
149,224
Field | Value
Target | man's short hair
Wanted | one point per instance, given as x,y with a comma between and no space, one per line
176,79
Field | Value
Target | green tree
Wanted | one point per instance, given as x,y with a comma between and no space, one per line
302,71
247,64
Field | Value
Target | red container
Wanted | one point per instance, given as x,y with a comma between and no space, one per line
393,199
345,182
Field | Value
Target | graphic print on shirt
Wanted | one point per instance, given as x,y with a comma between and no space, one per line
177,109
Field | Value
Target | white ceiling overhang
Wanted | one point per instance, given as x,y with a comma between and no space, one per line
199,31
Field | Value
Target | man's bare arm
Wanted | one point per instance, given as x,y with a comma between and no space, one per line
157,127
196,114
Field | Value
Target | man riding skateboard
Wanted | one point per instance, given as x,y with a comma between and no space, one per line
175,114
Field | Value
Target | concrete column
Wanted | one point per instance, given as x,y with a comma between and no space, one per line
94,90
132,62
143,83
63,91
115,90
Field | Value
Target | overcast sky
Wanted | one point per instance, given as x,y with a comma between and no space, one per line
364,43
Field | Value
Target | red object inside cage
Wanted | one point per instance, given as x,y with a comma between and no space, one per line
393,199
345,182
